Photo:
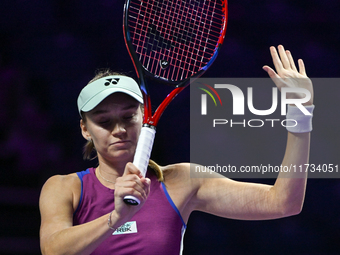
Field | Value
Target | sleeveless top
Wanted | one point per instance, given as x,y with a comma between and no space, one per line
157,228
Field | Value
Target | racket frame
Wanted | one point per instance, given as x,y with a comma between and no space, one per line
150,121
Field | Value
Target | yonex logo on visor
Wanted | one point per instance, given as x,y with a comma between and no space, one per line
113,81
95,92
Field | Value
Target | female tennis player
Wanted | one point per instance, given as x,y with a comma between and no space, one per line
84,212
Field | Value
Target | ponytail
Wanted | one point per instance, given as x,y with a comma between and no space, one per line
157,170
88,150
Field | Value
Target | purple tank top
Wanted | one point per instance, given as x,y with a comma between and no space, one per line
157,228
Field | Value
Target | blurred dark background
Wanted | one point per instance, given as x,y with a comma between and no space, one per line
49,49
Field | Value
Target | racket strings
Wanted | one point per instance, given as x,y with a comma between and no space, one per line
175,39
177,35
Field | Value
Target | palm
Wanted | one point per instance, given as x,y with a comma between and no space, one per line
287,75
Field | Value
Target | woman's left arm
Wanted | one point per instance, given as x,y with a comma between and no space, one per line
290,186
250,201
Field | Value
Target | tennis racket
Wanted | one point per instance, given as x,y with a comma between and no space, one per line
172,42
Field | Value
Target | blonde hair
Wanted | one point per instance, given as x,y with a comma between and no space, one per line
157,169
101,73
89,147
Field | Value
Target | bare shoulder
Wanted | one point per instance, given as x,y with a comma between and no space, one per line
62,183
176,173
184,173
58,199
61,188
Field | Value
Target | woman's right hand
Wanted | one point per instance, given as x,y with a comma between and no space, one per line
131,183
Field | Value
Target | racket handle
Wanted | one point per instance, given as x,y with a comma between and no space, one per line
142,156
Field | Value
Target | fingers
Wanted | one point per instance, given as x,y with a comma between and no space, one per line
291,60
134,186
302,67
272,74
133,183
132,169
283,61
284,57
276,59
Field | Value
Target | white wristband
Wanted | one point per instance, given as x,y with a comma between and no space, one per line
297,121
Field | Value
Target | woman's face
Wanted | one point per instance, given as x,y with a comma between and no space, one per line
114,126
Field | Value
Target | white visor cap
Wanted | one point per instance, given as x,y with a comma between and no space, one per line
95,92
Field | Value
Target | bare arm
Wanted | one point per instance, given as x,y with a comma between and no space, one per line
57,234
57,203
249,201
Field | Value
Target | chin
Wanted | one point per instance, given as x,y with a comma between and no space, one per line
123,155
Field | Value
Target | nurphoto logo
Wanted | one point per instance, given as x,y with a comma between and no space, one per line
217,91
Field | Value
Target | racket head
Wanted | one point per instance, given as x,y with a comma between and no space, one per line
173,41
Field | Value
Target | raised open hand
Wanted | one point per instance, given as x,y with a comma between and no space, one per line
287,75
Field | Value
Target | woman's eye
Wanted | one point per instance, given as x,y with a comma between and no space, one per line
128,117
103,122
